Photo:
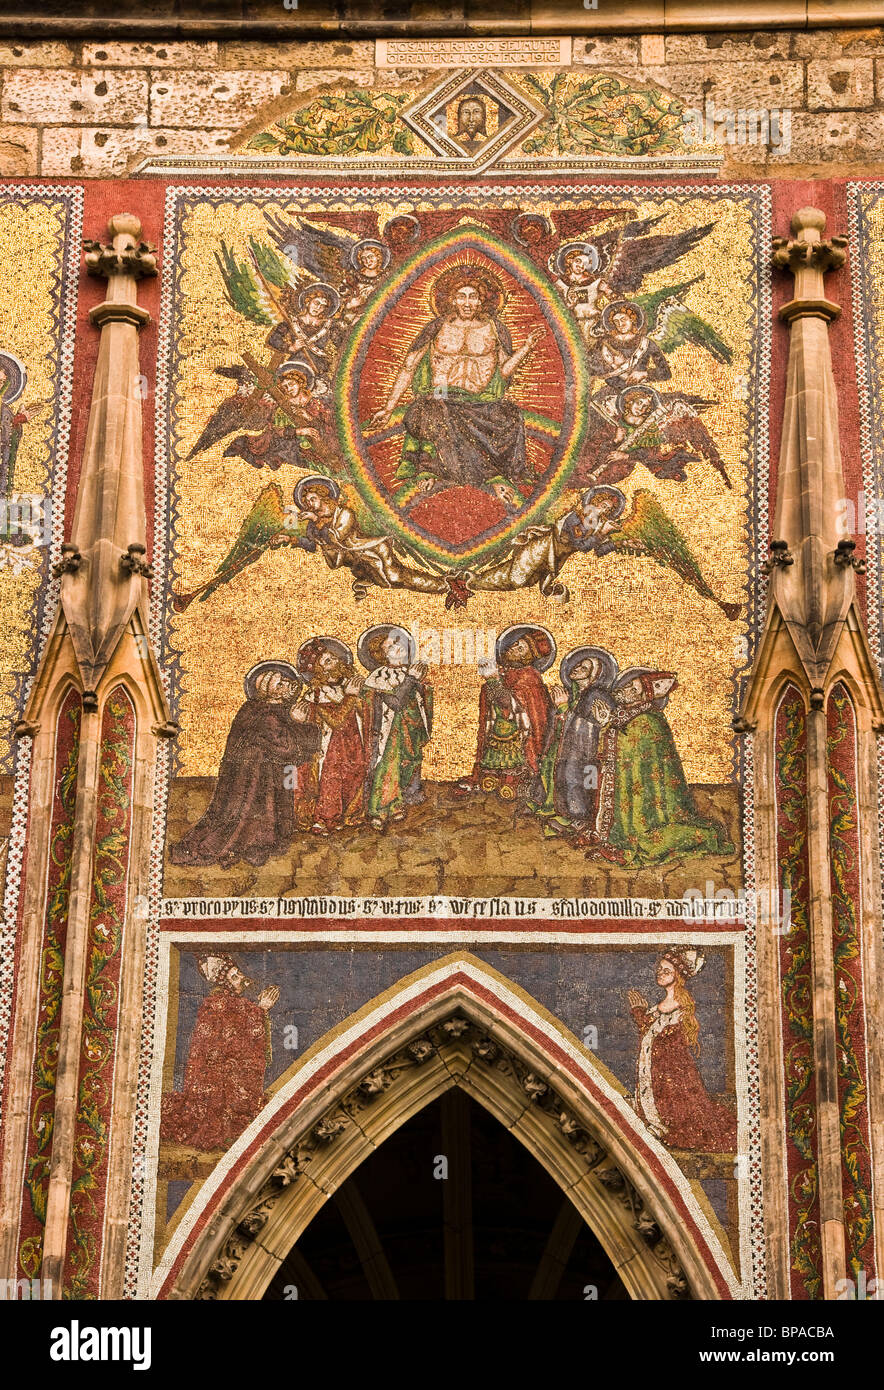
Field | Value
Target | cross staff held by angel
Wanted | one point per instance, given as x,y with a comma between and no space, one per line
280,417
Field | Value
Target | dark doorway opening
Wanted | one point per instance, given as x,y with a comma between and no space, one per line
451,1206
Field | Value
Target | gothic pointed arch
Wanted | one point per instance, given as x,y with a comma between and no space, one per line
455,1023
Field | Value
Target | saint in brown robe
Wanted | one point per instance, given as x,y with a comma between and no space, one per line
251,815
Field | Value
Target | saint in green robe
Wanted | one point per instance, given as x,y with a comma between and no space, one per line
398,720
654,816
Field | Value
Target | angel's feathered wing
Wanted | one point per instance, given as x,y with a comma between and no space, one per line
685,428
243,291
607,243
266,526
671,323
637,256
277,270
234,413
265,521
320,252
648,530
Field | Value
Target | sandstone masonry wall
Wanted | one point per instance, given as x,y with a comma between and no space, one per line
94,110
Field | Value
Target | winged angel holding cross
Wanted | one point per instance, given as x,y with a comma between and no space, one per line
446,430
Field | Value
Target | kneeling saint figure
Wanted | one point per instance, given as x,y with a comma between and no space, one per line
251,816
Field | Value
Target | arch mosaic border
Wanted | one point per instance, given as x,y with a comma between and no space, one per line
455,1023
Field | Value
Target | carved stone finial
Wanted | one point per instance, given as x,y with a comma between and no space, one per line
807,249
808,257
127,224
126,254
100,604
808,219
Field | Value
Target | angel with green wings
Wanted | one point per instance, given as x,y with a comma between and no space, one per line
322,518
672,324
613,265
308,287
634,337
596,525
269,289
278,412
355,265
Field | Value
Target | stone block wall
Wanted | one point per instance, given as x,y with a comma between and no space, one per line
96,110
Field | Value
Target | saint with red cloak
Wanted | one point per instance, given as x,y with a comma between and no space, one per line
515,714
670,1095
229,1052
330,791
251,816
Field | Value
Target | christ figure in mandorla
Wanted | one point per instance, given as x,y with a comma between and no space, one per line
459,428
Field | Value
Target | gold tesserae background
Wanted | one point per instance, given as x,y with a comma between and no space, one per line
640,611
31,252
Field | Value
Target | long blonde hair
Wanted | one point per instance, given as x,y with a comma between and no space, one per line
688,1013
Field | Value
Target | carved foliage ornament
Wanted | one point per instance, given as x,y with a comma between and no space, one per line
102,260
382,1080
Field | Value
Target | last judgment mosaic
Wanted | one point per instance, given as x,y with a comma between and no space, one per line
460,516
459,493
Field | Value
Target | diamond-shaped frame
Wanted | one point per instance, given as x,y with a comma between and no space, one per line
526,115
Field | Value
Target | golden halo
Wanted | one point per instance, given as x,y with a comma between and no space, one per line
446,286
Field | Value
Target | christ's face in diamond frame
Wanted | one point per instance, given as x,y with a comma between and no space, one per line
471,118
